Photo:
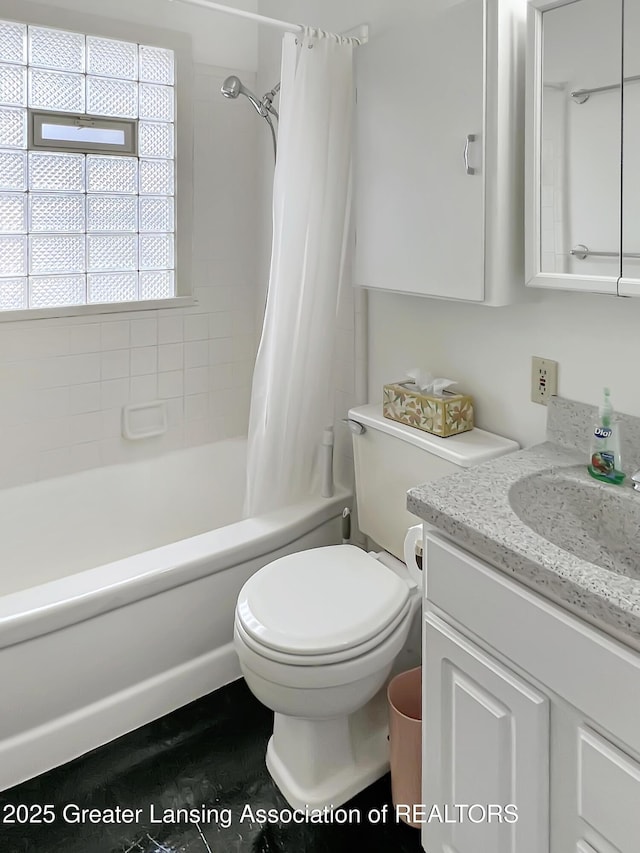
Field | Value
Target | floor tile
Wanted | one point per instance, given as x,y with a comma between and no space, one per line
207,755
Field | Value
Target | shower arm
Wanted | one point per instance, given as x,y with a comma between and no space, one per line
266,111
267,101
274,138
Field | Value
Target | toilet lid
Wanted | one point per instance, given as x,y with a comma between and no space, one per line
320,601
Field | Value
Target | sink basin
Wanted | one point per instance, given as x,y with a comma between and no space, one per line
599,524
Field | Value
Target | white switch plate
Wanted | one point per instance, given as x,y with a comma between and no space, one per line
544,379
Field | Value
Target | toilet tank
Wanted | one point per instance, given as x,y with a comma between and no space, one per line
390,458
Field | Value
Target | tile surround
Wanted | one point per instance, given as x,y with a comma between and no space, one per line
63,381
54,373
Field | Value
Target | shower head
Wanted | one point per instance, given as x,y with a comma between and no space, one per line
233,86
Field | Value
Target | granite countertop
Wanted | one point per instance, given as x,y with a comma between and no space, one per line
473,507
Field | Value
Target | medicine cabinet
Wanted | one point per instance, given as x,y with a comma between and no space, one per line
440,151
583,146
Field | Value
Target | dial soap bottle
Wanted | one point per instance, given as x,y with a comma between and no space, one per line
605,445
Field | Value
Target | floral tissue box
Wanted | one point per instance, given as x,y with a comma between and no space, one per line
445,415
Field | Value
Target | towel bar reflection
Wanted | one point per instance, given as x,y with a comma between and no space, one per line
581,96
582,252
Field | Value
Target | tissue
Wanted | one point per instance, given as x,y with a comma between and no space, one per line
426,383
424,402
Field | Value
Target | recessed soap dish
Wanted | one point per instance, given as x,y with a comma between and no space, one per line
144,420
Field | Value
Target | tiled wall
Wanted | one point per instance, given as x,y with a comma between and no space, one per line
63,381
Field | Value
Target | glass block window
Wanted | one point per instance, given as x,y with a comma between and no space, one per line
77,226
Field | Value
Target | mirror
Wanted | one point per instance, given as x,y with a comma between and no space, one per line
574,145
630,282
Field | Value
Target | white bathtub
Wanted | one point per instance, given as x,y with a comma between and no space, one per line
117,594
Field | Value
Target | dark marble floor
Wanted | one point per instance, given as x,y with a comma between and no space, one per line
209,753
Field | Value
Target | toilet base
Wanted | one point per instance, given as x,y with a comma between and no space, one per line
319,763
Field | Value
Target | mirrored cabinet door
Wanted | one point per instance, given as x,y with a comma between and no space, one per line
630,281
574,144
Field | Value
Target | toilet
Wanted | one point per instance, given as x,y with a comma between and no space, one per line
319,632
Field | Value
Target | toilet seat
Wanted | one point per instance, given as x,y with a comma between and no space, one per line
346,654
324,605
309,673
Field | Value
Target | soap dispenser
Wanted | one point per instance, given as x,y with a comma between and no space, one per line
604,461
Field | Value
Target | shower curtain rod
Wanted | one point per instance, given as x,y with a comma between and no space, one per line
361,33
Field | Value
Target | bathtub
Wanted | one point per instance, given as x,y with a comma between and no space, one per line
117,595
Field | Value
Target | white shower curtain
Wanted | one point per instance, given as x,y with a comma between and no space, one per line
292,395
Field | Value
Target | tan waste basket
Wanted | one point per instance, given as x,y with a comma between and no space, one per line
405,738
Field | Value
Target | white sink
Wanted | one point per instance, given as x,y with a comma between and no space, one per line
595,522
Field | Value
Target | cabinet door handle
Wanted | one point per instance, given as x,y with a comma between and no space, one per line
471,137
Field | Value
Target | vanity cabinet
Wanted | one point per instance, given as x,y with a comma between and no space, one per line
488,742
595,788
527,704
439,151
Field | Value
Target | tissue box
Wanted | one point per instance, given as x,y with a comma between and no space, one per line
444,415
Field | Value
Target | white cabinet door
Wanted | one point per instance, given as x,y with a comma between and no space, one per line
419,211
486,741
608,793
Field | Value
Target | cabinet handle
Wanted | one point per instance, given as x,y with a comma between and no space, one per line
471,137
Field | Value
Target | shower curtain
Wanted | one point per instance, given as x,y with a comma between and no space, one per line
292,394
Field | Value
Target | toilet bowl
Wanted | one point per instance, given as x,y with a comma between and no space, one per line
317,634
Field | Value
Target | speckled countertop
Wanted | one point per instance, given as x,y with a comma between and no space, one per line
474,508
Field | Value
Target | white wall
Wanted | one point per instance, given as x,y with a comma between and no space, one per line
488,350
63,382
217,39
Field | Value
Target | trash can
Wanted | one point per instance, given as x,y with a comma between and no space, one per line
405,739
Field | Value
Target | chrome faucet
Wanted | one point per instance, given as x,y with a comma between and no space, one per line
635,479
